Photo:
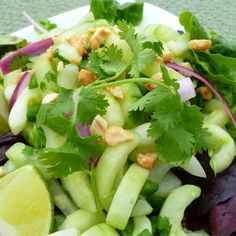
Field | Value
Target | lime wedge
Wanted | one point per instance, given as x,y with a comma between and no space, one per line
25,204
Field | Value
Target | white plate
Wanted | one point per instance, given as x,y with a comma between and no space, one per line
152,14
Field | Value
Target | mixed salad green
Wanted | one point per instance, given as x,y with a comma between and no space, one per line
111,129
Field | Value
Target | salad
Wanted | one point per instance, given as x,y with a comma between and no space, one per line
108,128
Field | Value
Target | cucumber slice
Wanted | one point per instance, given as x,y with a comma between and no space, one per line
112,161
79,187
168,183
4,127
101,230
82,220
67,78
126,196
114,114
141,208
175,205
18,115
66,232
60,199
142,223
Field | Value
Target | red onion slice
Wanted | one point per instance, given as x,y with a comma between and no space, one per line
186,89
206,82
83,129
25,79
31,50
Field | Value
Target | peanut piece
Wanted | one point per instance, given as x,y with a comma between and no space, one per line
167,56
98,37
116,92
157,76
116,135
199,44
86,77
98,126
50,98
205,92
79,45
146,160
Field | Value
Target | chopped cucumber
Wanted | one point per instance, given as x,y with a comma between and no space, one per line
114,114
158,171
61,200
141,208
141,223
53,139
79,187
18,115
101,230
67,78
194,167
4,127
126,196
112,161
161,32
66,232
82,220
175,205
168,183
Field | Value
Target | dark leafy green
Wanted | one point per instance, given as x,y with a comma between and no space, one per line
192,26
113,11
10,43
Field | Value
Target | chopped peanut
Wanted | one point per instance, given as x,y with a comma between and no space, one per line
116,135
75,62
98,126
156,76
84,38
79,45
86,77
117,92
146,160
50,98
99,36
167,56
60,66
199,44
1,171
205,92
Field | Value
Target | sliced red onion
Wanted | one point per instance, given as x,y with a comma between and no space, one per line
83,129
186,89
206,82
31,50
24,81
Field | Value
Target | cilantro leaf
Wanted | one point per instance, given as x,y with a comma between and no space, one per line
62,116
114,62
108,62
47,24
19,61
57,115
164,226
144,52
33,82
50,77
72,156
90,103
145,233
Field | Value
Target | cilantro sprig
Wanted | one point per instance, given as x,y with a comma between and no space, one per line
62,117
177,126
